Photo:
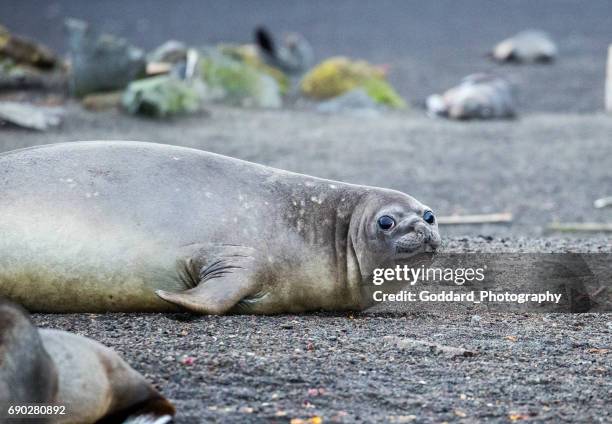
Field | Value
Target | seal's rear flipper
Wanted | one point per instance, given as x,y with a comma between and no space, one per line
223,282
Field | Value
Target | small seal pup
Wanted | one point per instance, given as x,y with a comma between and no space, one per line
478,96
57,368
134,226
529,46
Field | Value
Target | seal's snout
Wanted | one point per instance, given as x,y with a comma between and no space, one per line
421,235
421,239
429,236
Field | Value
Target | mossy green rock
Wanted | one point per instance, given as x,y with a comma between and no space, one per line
248,54
338,75
163,96
237,83
383,93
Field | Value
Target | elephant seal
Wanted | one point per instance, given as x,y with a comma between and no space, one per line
529,46
134,226
27,373
57,368
478,96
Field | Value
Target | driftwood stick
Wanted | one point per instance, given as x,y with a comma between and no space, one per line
494,218
609,81
603,202
576,227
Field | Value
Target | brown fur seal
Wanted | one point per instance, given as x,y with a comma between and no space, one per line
131,226
56,368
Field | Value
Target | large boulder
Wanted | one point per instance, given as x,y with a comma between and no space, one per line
248,54
236,82
22,50
100,62
338,75
163,96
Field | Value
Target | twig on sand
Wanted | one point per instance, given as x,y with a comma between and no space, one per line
608,94
603,202
576,227
494,218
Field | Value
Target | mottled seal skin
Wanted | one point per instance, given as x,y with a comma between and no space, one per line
478,96
132,226
51,367
529,46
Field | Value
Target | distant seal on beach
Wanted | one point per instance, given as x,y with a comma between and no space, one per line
133,226
478,96
529,46
56,368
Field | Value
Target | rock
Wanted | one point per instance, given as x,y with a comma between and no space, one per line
170,57
163,96
428,347
171,51
30,117
25,77
354,102
102,101
25,51
248,54
27,65
100,62
14,77
528,46
237,83
478,96
336,76
293,56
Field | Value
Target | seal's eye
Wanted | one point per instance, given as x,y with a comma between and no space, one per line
429,217
385,222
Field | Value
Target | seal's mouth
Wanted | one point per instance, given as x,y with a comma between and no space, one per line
417,242
403,253
414,244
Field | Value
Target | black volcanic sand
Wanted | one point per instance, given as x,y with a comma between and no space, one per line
369,367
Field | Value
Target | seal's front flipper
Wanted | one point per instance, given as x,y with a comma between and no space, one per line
226,276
